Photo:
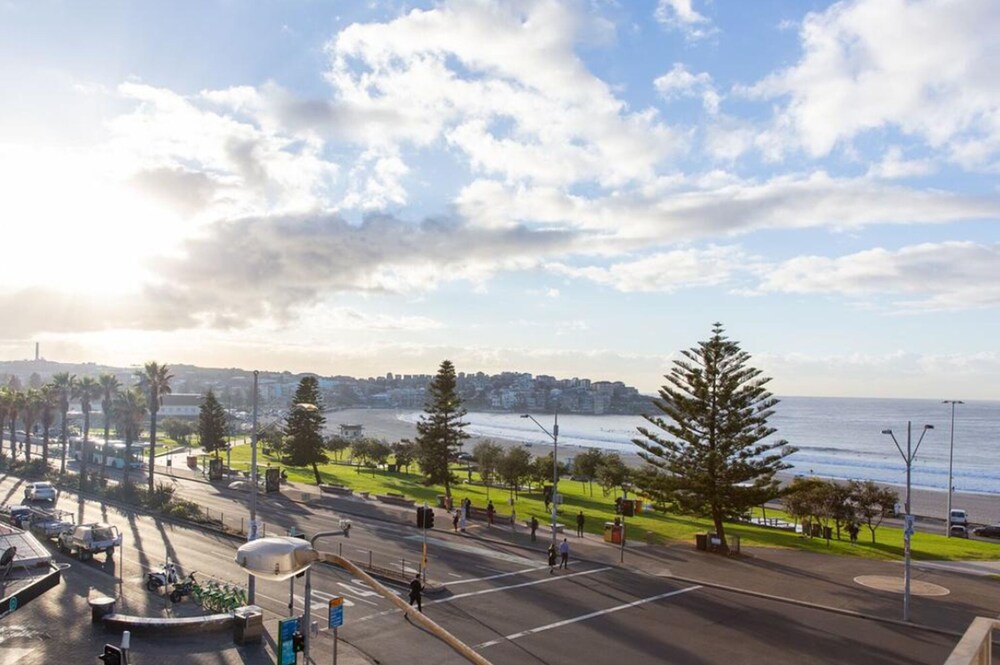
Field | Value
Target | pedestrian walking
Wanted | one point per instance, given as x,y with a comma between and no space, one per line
552,558
853,530
461,522
416,591
490,512
580,519
513,519
454,521
564,554
534,527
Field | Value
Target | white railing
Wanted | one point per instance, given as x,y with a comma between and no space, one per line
976,646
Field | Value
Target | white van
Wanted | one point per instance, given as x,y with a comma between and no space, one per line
958,517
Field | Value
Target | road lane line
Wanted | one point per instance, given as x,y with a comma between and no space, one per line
584,617
450,599
495,577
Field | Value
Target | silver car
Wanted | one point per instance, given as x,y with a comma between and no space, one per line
40,491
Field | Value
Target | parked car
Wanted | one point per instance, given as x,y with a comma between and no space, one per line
992,531
40,491
959,531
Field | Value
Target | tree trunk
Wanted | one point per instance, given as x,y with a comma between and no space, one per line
720,531
319,480
152,444
65,444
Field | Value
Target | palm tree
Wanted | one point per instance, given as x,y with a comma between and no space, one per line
129,412
29,416
14,407
155,379
5,399
64,384
109,387
47,399
88,390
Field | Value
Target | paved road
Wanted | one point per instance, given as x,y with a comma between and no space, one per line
502,601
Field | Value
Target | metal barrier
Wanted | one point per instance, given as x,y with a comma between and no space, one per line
976,646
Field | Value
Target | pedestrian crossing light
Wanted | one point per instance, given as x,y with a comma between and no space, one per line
298,642
628,507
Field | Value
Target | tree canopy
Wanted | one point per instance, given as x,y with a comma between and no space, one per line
440,433
709,442
211,425
304,426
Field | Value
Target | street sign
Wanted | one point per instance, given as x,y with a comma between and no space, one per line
255,530
336,612
286,629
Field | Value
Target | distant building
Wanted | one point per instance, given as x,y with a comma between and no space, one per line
181,405
352,432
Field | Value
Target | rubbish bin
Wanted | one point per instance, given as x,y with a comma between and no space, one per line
714,542
827,532
612,533
734,544
701,541
248,625
441,501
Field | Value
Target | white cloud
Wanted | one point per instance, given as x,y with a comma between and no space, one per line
923,67
895,165
930,276
681,15
502,85
724,205
667,271
679,82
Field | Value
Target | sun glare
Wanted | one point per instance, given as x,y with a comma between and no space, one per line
79,224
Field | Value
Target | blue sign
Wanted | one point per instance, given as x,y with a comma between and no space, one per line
336,612
287,628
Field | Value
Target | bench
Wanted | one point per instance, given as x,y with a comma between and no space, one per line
335,489
396,499
169,626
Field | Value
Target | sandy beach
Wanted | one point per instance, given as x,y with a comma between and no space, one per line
384,424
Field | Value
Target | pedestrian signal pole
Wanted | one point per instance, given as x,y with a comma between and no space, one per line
426,525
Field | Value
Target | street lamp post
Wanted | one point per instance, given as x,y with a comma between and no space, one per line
252,531
908,458
554,435
951,462
279,558
345,531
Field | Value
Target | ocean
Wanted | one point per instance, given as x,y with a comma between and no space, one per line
836,437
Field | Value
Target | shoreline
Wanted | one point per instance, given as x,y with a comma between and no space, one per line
982,508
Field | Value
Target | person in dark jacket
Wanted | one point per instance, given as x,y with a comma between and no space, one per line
534,527
416,589
552,558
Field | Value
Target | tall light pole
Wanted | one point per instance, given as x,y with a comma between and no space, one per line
252,531
345,530
951,462
908,457
554,435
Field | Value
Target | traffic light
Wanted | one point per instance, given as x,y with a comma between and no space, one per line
425,518
298,642
113,656
618,505
628,507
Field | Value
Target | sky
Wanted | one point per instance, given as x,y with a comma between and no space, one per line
574,188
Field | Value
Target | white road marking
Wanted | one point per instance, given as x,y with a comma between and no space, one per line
584,617
450,599
472,549
497,576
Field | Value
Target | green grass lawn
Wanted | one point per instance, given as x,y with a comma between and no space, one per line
598,509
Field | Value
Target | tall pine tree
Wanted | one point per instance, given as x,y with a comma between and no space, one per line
304,426
212,425
440,433
715,411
